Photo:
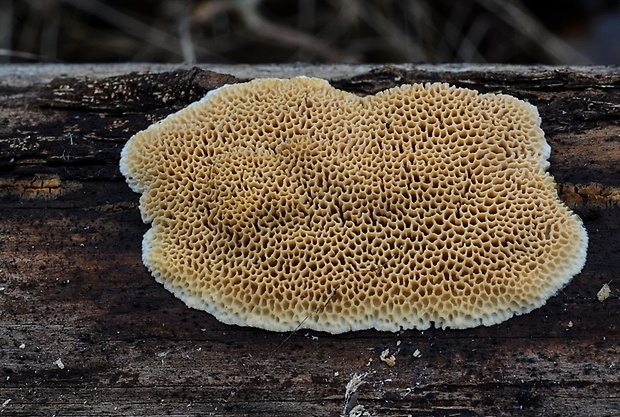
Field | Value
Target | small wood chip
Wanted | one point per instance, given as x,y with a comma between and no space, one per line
604,293
390,360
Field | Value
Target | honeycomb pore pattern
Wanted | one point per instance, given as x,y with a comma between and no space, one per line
282,204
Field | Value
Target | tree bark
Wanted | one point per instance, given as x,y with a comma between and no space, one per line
85,329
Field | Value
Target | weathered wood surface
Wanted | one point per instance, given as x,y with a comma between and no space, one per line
85,330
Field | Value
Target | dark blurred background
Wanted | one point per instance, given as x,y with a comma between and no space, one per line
318,31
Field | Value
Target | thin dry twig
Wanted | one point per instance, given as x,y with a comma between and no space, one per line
317,311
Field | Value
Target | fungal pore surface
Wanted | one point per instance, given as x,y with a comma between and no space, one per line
285,204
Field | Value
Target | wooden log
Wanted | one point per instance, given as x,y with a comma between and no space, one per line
85,330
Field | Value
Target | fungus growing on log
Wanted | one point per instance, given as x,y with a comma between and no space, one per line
285,204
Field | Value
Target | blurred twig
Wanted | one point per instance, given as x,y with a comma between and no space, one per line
256,23
50,31
465,48
512,12
9,53
409,48
147,33
6,29
279,30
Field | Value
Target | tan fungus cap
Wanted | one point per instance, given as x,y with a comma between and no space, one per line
283,204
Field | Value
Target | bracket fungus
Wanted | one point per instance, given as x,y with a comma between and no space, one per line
285,204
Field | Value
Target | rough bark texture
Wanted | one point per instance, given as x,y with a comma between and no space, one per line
85,330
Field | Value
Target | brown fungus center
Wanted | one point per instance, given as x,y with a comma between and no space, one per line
280,203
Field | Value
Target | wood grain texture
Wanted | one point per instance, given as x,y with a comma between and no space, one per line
85,330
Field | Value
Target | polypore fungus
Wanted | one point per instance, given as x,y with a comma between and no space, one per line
285,204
